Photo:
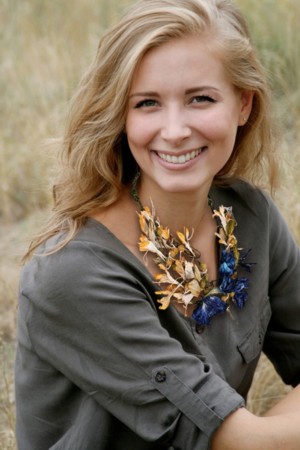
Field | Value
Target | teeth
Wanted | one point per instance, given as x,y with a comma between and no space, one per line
180,159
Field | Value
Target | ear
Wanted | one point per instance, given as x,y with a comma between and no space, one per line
246,106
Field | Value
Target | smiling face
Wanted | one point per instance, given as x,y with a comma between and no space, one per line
182,117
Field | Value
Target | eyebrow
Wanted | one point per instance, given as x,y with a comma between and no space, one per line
144,94
187,92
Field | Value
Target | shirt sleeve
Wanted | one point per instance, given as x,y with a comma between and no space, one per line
94,321
282,342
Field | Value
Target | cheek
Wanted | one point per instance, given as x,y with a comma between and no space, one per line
139,130
220,127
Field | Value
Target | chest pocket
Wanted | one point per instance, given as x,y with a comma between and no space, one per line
251,344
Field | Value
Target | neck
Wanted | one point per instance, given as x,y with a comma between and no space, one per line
177,209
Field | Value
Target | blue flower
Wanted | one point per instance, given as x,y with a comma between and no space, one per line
240,293
227,263
208,308
227,285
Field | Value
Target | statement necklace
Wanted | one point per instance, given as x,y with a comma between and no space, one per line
183,278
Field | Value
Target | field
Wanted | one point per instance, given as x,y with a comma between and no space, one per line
45,47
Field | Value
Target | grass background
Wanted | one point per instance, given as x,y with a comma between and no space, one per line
45,46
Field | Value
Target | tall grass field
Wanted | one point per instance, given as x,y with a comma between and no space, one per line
45,46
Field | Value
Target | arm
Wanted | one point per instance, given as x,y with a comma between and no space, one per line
290,404
91,318
282,341
277,430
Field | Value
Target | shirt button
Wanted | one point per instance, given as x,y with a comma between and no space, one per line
161,376
199,328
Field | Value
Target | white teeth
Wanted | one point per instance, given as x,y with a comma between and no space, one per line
180,159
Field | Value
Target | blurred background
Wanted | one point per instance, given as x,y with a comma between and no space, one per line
45,47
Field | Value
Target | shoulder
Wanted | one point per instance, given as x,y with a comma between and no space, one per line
259,219
93,240
89,243
247,200
93,257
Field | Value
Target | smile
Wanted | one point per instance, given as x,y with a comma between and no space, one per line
182,158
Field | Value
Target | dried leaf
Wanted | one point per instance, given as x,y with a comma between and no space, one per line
194,287
189,272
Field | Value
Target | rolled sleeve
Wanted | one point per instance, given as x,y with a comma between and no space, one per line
207,407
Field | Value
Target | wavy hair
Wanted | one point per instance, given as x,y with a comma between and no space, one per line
96,161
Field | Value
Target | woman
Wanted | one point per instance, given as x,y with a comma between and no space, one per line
162,275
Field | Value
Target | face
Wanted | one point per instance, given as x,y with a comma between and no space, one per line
182,117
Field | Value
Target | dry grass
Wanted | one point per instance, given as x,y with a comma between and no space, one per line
7,415
267,388
13,240
44,48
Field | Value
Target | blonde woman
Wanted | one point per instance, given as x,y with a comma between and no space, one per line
165,269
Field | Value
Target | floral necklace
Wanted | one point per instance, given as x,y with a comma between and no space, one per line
184,278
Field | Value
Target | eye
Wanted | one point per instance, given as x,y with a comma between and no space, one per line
146,103
203,99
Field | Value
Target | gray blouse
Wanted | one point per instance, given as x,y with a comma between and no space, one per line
100,367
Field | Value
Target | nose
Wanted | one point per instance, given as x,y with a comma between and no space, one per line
175,127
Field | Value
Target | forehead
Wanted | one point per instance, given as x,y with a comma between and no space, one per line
180,60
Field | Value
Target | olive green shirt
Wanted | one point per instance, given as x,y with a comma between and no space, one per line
100,367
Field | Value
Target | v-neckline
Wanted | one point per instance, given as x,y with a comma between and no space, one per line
134,258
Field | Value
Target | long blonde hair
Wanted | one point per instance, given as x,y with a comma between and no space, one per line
96,161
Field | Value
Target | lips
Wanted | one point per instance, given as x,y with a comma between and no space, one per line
180,159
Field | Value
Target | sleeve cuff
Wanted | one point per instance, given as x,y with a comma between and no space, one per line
207,406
